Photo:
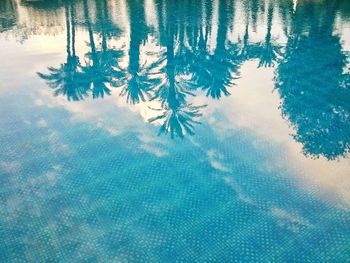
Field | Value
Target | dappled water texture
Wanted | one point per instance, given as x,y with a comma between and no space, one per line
175,131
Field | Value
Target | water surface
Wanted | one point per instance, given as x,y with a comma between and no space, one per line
175,131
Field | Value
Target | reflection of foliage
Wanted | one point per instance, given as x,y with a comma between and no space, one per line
269,51
101,71
189,62
224,62
8,14
215,73
178,116
136,82
176,82
137,86
178,121
314,94
221,76
66,80
42,4
269,54
104,25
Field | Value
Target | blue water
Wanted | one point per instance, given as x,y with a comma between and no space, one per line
175,131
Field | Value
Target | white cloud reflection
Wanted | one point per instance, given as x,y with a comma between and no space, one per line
253,108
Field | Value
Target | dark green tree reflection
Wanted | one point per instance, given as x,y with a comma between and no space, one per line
314,90
100,70
225,59
67,80
8,17
270,51
137,83
177,115
200,48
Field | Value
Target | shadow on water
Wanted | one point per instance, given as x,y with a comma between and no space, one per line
196,54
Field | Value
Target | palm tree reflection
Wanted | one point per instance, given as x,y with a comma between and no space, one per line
67,79
136,84
269,51
102,70
177,115
178,119
99,70
8,17
196,53
223,74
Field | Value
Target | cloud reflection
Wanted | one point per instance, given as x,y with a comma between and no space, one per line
164,60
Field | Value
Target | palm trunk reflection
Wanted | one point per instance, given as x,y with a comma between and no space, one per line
194,53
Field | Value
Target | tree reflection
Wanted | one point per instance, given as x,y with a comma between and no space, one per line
136,83
100,69
222,75
269,51
314,90
178,119
177,115
200,48
8,11
67,79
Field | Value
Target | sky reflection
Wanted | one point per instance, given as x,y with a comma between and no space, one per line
250,100
250,56
163,58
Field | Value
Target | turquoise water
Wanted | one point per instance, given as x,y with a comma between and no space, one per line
175,131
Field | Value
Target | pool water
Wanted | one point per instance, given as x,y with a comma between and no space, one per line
175,131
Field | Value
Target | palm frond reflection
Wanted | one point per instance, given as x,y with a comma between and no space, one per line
187,48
